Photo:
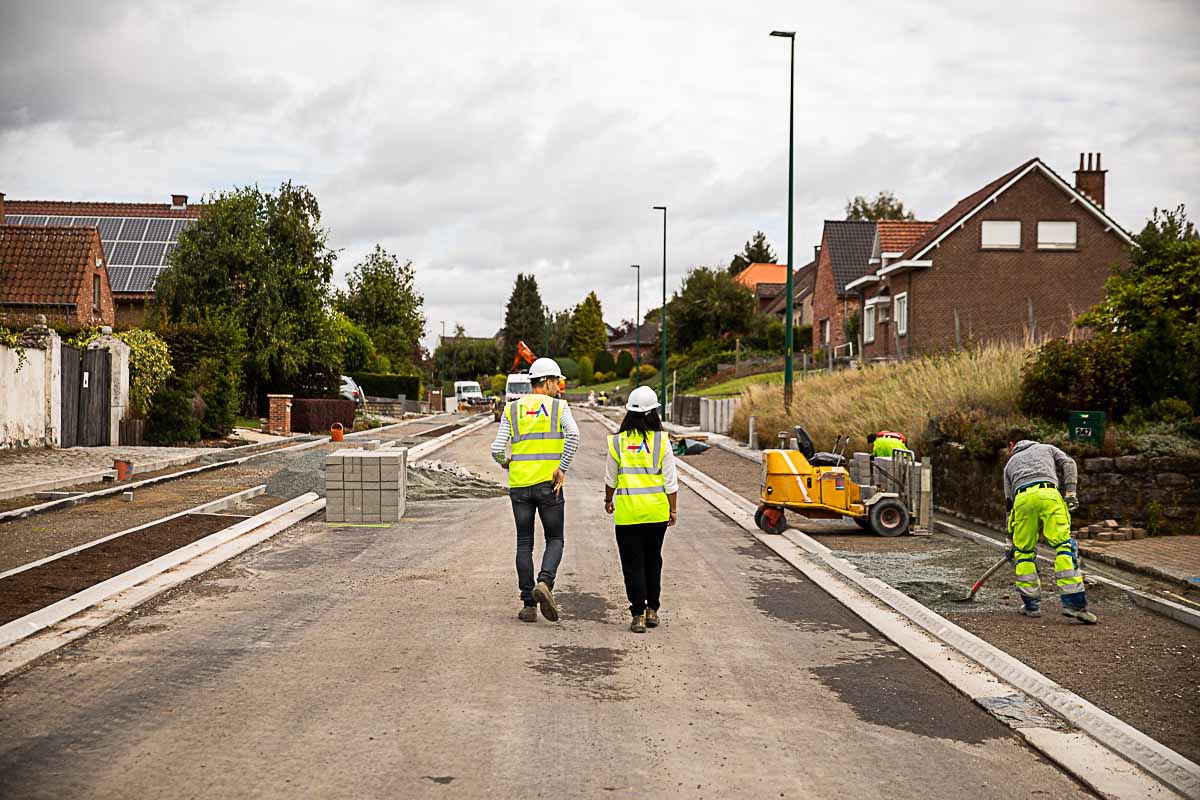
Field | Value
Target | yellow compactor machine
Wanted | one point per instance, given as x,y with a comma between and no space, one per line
818,485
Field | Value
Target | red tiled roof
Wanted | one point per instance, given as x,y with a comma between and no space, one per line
897,235
959,210
73,209
45,266
755,274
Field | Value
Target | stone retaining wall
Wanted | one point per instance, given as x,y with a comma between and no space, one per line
1159,494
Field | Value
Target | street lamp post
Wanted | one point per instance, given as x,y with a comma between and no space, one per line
789,324
637,326
662,334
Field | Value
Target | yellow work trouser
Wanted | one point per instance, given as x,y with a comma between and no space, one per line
1041,509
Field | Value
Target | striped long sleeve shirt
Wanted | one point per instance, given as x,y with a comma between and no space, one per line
570,444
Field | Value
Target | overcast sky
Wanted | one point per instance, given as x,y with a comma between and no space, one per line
483,139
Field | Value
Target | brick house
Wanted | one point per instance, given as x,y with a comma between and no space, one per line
628,339
846,248
55,271
137,239
1021,257
802,299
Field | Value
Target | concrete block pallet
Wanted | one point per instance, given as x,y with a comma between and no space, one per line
365,485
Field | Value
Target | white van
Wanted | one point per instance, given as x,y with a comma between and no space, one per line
468,394
516,386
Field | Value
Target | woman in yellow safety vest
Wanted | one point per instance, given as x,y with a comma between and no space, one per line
640,491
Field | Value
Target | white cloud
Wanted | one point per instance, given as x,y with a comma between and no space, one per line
483,139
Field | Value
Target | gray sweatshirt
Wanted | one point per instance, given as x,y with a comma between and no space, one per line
1032,462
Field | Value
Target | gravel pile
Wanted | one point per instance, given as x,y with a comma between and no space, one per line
446,480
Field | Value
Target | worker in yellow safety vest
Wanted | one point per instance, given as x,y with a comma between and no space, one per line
641,486
884,442
542,435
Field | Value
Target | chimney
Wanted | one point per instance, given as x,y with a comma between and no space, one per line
1089,179
1,208
179,201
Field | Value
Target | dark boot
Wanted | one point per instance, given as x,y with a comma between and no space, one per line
639,624
527,614
651,618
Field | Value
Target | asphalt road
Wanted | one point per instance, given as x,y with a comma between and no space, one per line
371,662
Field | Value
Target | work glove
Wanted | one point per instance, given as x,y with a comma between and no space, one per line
1010,553
1072,501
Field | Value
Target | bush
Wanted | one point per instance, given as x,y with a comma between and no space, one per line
207,358
171,421
375,384
696,370
1094,374
569,367
598,377
603,362
313,415
149,364
767,333
802,337
609,376
586,370
647,372
625,363
499,382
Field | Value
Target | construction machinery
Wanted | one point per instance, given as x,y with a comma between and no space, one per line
818,485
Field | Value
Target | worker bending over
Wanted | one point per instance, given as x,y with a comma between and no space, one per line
883,443
543,437
1031,487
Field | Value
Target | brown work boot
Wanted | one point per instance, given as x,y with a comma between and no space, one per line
651,618
527,614
639,624
545,600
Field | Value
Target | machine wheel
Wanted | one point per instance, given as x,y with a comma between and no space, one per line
770,520
889,517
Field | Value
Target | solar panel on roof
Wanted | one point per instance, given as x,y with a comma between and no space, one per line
85,222
143,279
167,255
34,221
151,254
124,253
108,248
109,228
180,226
59,221
159,230
13,219
132,230
118,278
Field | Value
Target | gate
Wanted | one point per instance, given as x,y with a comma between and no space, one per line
86,397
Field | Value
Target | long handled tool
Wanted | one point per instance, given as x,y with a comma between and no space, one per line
982,579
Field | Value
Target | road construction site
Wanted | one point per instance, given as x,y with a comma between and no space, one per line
388,661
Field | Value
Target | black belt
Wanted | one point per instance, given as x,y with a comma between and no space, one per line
1038,485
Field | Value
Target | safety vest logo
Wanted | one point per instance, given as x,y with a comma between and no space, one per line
537,412
644,447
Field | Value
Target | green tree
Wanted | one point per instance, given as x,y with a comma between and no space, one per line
464,358
755,251
710,305
261,259
884,206
625,363
381,296
604,361
587,370
588,334
524,318
358,351
557,341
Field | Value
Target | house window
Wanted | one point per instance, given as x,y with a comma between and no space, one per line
1056,236
869,324
95,292
825,331
1001,234
900,313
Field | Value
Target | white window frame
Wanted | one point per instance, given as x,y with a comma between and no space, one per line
1044,228
994,226
868,324
823,332
900,313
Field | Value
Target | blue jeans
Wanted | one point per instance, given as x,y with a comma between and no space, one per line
539,500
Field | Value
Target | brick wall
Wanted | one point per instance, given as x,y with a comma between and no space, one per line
87,309
826,303
279,414
992,290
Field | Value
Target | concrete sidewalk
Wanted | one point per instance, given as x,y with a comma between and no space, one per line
1172,558
27,470
390,663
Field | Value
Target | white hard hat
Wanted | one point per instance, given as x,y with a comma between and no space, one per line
544,368
641,400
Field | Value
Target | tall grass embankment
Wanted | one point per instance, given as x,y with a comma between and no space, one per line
966,391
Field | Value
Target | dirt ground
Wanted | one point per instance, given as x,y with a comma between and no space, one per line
1136,664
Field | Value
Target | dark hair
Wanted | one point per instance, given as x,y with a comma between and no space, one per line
541,381
641,422
1017,434
871,437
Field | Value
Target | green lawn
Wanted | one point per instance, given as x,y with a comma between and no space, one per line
734,387
247,422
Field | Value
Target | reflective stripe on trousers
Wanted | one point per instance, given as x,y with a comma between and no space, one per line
1042,511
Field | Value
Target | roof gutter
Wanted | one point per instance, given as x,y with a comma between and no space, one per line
903,266
861,282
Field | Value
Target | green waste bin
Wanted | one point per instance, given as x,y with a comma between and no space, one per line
1086,427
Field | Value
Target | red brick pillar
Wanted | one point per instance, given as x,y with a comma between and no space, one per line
279,414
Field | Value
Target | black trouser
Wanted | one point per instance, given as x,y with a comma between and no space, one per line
539,499
641,563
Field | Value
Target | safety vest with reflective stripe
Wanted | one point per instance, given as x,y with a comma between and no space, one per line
537,439
641,494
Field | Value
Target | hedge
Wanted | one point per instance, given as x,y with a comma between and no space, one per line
318,415
207,358
375,384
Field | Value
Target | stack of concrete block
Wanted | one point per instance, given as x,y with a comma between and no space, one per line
365,485
1109,531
